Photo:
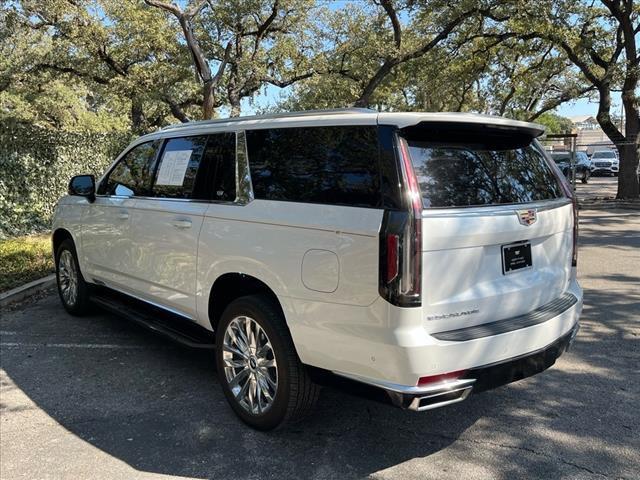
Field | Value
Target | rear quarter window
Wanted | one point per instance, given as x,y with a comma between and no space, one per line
329,165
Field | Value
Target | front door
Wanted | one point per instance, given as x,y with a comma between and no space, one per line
106,241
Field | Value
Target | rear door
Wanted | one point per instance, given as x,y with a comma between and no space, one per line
497,227
165,226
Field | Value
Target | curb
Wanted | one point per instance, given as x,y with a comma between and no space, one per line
20,293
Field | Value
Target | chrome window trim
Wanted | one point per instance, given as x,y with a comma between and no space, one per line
496,210
244,188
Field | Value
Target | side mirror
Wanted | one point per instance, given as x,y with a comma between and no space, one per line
83,186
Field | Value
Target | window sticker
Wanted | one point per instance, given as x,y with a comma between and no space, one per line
173,167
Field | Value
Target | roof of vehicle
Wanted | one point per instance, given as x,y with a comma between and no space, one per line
342,116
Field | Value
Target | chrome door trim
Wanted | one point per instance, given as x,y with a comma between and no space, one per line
105,284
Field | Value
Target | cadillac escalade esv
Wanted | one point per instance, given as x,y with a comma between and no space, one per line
412,257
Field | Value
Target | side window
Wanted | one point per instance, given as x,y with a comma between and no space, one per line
132,174
178,167
330,165
216,179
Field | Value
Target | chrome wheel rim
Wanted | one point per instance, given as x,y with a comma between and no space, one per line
250,366
68,277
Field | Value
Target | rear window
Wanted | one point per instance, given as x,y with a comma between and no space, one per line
485,171
330,165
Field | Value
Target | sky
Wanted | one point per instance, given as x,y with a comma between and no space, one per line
271,95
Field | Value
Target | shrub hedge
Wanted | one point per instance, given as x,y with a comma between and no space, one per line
35,167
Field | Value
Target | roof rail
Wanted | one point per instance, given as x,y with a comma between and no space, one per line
304,113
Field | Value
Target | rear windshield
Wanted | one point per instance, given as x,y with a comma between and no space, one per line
482,172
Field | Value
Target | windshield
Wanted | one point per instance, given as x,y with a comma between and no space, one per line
604,154
456,174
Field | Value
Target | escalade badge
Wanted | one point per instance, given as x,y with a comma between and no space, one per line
527,217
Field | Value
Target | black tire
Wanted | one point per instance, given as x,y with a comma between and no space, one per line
295,393
80,304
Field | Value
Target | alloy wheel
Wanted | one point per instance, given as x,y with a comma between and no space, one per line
68,277
250,366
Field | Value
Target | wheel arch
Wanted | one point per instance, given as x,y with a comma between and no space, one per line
57,237
232,285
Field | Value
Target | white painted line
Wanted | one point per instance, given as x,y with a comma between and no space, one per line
78,345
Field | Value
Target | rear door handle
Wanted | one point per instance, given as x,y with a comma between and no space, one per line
123,215
180,223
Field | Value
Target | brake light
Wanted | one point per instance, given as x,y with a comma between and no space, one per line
401,242
393,244
422,381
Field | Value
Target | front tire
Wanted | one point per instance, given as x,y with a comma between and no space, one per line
259,370
72,289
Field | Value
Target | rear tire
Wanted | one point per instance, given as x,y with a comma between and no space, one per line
72,289
259,370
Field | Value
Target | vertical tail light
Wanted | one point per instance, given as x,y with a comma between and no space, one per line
401,242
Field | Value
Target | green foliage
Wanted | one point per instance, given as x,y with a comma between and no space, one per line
36,165
555,123
24,259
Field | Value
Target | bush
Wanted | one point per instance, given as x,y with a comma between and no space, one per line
36,165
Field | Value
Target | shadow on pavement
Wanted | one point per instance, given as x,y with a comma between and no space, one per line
158,407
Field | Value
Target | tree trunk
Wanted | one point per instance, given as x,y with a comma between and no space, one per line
208,100
138,121
235,108
628,187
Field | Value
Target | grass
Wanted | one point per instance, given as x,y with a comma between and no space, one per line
24,259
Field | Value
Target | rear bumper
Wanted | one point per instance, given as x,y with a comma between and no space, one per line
475,380
492,358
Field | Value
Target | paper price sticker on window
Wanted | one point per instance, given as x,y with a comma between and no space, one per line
173,167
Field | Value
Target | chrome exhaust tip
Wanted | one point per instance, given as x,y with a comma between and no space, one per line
440,399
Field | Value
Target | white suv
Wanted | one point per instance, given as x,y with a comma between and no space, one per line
410,257
605,161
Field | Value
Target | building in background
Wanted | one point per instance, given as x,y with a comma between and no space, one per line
590,136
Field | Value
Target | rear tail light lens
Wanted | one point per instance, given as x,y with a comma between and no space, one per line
393,246
401,243
423,381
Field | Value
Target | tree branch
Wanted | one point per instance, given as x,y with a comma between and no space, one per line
395,23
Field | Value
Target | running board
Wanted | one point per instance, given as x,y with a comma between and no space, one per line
155,319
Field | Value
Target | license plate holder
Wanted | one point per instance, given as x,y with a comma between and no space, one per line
516,256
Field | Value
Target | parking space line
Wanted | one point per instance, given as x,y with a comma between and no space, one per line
79,345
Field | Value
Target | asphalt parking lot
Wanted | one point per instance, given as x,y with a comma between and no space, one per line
97,397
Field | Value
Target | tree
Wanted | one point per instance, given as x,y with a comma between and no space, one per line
601,41
366,45
253,43
116,50
555,123
208,79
